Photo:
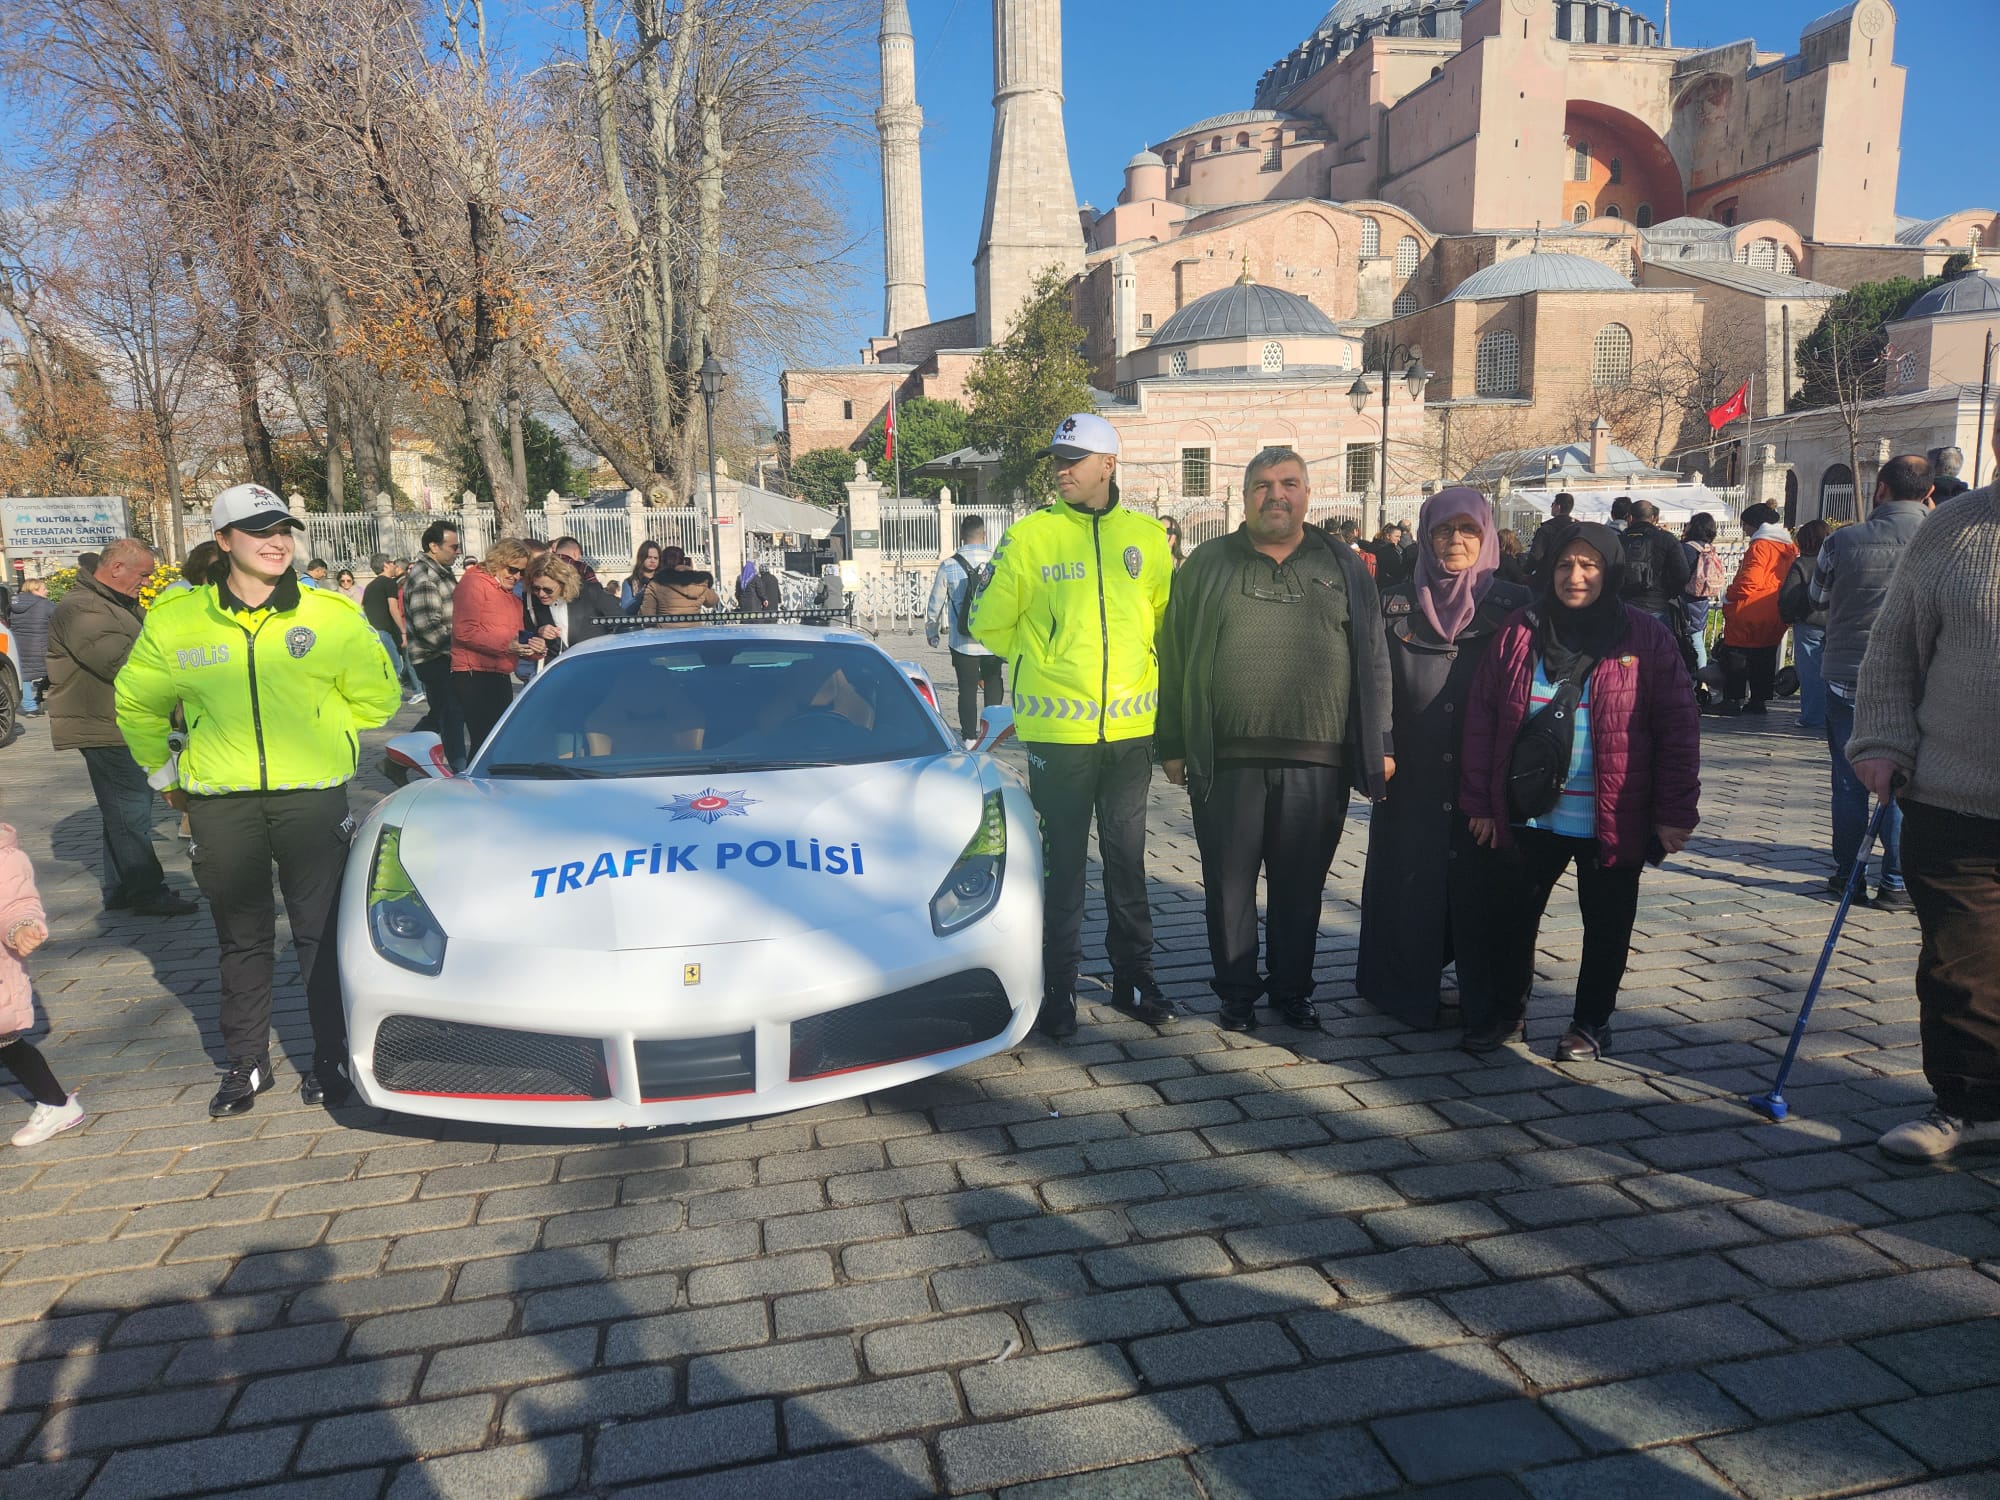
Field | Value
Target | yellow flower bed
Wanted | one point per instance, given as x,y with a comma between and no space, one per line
64,579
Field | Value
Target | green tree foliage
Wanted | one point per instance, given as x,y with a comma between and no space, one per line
1841,361
1031,380
821,474
549,466
925,429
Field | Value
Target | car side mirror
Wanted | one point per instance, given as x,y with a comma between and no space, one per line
421,753
995,724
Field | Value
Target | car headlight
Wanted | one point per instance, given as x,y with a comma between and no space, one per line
972,889
401,925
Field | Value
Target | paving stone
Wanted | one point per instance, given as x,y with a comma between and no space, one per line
881,1471
1376,1328
1222,1299
1823,1455
1161,1479
1524,1306
256,1353
834,1226
322,1392
805,1271
548,1466
678,1334
1037,1280
686,1249
1946,1432
770,1371
199,1467
875,1409
1651,1410
1543,1252
431,1327
1364,1388
1415,1268
851,1307
593,1401
678,1445
1662,1474
1095,1437
1839,1313
393,1434
510,1362
914,1253
1214,1353
151,1418
928,1346
1456,1443
1037,1382
1640,1346
1161,1260
1057,1232
1942,1359
1314,1466
1662,1285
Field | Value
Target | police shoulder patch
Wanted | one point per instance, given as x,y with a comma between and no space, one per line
299,640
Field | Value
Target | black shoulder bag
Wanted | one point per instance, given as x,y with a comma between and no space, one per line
1539,763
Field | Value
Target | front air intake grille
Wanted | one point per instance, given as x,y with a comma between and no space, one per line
416,1055
701,1067
929,1018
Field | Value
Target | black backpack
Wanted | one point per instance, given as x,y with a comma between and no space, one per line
1538,765
962,601
1641,574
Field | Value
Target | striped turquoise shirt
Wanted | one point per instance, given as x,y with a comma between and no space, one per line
1575,814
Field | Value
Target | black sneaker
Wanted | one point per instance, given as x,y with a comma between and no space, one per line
244,1080
327,1084
1302,1014
1238,1017
1139,997
1891,900
1058,1017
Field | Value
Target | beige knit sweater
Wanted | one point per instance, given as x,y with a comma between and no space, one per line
1929,697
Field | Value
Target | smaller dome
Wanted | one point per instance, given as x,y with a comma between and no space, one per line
1245,311
1970,293
1145,159
1543,271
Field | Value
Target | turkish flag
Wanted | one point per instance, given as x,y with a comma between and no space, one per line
889,435
1730,410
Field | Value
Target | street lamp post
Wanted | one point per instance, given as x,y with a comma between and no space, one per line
710,377
1361,392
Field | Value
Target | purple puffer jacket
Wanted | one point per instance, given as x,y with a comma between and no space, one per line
1644,730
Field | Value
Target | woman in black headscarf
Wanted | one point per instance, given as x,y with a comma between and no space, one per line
1423,901
1582,746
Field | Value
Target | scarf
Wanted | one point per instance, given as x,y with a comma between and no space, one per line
748,576
1449,600
1563,634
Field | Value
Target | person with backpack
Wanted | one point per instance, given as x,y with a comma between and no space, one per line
1581,746
1707,578
1656,572
949,613
1807,618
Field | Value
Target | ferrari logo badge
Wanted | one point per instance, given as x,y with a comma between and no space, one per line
691,974
708,805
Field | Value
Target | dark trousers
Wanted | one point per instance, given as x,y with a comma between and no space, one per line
1752,669
131,870
442,715
1952,864
1068,783
482,697
1608,898
1285,822
1850,805
975,672
236,841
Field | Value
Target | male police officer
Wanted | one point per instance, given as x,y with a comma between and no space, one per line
1074,602
278,682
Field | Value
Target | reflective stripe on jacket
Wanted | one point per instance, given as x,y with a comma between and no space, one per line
1075,604
276,698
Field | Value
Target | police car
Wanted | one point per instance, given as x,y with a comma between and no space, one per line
697,872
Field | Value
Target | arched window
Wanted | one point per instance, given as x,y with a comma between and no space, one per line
1371,237
1612,211
1582,214
1274,153
1644,216
1177,362
1786,265
1763,255
1274,357
1215,146
1408,253
1406,303
1497,370
1431,22
1611,357
1579,169
1906,371
1617,169
1242,140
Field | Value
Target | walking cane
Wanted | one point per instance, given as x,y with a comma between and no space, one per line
1773,1105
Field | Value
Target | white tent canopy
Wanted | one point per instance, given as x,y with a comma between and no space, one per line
1678,504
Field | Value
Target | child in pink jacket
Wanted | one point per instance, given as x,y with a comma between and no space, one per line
24,927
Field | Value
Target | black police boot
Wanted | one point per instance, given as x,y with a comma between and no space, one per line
1238,1015
1138,995
326,1084
243,1080
1299,1012
1495,1032
1058,1017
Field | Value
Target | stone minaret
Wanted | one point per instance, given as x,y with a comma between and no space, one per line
1031,217
899,122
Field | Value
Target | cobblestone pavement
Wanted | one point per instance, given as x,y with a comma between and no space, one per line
1175,1265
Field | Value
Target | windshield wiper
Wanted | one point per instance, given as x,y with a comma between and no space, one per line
748,765
549,770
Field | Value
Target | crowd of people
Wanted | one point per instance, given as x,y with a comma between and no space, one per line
1505,733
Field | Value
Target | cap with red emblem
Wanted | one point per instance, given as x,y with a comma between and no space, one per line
1082,434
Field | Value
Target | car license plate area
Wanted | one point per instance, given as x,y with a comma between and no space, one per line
700,1067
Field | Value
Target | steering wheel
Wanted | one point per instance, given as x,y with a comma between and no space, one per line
817,714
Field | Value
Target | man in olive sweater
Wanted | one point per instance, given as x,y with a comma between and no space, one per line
1925,718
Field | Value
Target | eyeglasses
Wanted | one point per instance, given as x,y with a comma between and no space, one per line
1444,531
542,592
1279,585
510,572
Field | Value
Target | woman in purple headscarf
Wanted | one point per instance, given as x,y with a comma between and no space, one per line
1423,902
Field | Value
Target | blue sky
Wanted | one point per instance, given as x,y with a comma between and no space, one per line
1134,73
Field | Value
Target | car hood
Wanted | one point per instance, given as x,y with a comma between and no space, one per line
672,861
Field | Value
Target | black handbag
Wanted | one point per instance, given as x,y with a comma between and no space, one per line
1538,765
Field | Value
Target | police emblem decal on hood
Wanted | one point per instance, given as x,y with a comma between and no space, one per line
708,804
299,640
1134,561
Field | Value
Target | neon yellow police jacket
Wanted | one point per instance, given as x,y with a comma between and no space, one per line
1074,604
276,697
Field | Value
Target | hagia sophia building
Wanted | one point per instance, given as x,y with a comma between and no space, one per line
1546,199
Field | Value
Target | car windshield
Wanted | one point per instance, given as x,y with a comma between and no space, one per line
711,705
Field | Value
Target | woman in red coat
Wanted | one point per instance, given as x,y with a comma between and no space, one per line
1627,796
1751,625
487,638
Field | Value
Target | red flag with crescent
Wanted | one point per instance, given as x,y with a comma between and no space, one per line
889,435
1730,410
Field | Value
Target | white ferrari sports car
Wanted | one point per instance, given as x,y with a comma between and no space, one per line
697,872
